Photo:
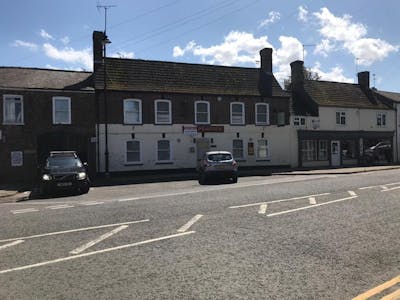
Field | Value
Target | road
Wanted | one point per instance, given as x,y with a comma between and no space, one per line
273,237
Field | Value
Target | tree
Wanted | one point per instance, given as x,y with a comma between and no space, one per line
308,75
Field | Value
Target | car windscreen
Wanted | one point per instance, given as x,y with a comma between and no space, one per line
63,162
219,157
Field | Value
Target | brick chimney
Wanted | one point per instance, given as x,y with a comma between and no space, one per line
98,37
297,76
363,79
266,60
265,77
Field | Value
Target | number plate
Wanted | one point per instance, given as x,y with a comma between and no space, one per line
64,184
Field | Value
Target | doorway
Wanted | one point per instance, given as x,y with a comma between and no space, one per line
335,153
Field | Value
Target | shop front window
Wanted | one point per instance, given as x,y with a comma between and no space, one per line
349,150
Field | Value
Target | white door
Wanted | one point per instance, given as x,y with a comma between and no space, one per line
335,153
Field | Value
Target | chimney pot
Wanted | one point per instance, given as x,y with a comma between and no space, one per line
266,60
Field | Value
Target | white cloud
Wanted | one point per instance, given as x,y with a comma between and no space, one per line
289,51
352,36
123,54
69,55
303,14
45,35
324,47
273,16
65,40
238,48
335,74
30,46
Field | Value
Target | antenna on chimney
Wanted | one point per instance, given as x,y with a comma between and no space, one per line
310,45
373,76
105,7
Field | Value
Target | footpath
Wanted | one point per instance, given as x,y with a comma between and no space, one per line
10,193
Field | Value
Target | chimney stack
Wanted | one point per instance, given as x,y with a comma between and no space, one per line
297,76
363,79
266,60
98,38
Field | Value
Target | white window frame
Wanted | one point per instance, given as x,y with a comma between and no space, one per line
196,121
241,149
381,118
342,114
126,121
170,152
267,114
13,98
243,113
299,121
55,98
156,121
140,153
258,150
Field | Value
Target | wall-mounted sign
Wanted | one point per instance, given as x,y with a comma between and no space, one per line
190,130
208,128
16,159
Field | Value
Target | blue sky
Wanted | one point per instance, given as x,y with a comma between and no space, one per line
341,37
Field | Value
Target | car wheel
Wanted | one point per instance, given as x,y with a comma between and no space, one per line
84,190
234,179
202,179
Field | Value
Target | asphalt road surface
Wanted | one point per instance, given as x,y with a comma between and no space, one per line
273,237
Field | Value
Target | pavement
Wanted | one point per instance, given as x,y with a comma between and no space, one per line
10,193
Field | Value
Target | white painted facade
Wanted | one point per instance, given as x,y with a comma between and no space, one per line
184,147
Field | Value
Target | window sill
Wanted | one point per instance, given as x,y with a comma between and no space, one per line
164,163
263,159
133,164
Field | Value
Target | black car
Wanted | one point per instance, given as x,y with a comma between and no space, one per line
62,171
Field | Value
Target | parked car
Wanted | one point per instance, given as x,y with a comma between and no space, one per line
217,164
62,171
382,150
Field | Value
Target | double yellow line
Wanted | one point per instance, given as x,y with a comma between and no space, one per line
380,288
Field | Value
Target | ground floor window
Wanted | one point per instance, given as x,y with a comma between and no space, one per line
237,149
349,150
312,150
163,150
262,149
133,153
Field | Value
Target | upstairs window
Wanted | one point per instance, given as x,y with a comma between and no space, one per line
202,112
61,110
262,114
299,121
237,113
132,111
163,113
281,118
340,118
381,119
163,151
13,110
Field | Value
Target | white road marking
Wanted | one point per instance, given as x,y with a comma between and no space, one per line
352,193
59,206
50,262
235,186
92,203
190,223
390,189
376,186
263,209
11,244
310,206
277,201
312,200
73,230
384,188
98,240
23,211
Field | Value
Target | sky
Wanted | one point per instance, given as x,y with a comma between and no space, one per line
336,39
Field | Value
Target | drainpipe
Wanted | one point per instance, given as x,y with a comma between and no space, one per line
106,153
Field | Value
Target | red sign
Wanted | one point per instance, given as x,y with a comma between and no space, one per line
207,128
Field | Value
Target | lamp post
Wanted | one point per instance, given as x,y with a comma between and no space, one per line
106,154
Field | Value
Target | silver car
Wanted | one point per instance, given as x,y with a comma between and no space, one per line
218,164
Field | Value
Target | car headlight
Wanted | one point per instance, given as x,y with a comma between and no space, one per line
46,177
81,175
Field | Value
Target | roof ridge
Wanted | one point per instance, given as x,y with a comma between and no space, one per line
44,69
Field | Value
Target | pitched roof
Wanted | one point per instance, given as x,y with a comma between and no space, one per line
33,78
327,93
172,77
390,95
